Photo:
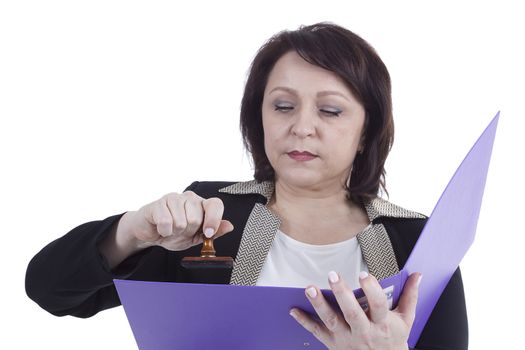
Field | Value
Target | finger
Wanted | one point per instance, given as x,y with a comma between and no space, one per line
331,319
376,298
176,206
194,215
353,312
408,300
161,218
224,228
213,210
317,329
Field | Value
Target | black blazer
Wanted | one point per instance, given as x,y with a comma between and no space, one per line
70,277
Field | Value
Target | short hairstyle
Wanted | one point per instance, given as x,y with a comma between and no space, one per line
344,53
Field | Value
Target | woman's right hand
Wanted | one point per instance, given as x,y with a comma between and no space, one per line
177,221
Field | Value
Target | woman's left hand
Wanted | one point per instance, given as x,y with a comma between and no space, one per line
355,329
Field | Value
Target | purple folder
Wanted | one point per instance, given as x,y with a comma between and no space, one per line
165,315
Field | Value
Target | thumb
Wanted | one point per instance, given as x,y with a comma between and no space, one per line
408,301
224,228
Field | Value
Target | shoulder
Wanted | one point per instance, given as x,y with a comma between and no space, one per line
240,190
381,208
207,188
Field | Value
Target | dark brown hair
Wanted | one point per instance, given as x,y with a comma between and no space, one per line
338,50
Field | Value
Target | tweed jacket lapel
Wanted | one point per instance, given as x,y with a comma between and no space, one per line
375,243
262,226
258,233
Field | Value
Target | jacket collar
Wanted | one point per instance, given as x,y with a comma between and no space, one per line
375,208
262,225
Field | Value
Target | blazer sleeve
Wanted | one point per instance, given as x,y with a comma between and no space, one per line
70,276
447,327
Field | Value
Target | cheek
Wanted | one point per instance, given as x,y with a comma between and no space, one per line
271,133
269,144
348,143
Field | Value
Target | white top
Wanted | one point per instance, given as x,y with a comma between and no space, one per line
291,263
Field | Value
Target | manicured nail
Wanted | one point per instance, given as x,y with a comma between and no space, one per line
312,293
209,232
363,275
333,277
293,314
419,280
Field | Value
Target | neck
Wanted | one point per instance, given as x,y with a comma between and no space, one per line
315,216
309,200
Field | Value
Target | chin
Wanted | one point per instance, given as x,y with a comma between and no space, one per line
301,178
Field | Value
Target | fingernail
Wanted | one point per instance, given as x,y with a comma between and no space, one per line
363,274
333,277
419,280
209,232
312,293
292,313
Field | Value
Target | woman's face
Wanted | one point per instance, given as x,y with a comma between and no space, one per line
312,124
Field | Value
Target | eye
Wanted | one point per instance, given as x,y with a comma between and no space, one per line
283,108
331,113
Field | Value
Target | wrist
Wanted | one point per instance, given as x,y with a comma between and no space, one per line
125,236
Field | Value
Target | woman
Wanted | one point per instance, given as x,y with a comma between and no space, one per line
316,116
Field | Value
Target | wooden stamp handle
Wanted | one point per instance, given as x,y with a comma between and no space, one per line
207,251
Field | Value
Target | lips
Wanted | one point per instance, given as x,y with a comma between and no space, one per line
301,156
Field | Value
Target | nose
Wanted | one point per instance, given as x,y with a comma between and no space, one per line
303,125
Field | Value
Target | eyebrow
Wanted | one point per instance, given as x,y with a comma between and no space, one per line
319,94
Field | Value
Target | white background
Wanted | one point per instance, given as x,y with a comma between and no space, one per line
107,105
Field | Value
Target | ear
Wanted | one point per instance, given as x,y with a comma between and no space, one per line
361,146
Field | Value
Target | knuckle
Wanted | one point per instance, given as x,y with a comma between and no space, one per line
190,194
172,196
180,225
332,321
215,201
164,221
366,339
351,314
415,293
194,222
413,298
384,328
339,288
378,303
162,230
316,330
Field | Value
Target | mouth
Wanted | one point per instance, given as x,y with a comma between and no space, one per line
301,155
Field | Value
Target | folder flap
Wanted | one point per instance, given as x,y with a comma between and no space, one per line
450,229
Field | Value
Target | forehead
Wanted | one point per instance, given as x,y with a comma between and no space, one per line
291,70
